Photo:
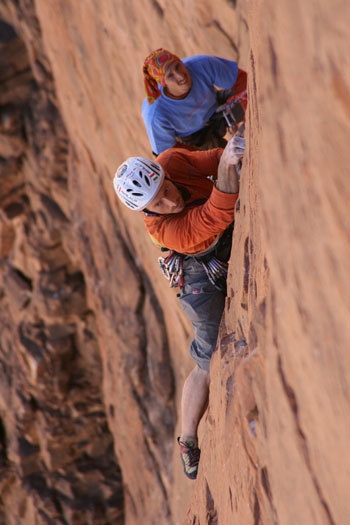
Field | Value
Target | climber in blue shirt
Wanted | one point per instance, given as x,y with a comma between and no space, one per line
182,98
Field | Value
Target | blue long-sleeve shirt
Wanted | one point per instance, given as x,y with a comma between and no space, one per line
167,118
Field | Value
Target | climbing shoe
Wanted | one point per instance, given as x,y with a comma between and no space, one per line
190,454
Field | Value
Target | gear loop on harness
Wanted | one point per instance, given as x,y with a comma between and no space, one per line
172,268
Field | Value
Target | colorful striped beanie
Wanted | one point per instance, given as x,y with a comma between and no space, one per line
154,68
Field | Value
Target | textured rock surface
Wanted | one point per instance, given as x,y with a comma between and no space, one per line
93,346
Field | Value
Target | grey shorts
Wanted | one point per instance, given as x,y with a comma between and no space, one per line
203,304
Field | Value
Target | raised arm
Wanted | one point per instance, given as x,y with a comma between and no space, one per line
227,180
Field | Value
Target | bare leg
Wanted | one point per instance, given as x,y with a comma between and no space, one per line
194,402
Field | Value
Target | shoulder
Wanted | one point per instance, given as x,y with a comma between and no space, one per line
147,108
197,59
187,154
173,156
196,62
204,60
211,67
180,152
152,112
180,161
161,105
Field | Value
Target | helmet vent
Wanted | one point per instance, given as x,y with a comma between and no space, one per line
137,181
134,192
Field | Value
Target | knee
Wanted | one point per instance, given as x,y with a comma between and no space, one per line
201,374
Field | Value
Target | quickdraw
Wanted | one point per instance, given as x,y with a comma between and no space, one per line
226,109
171,267
215,269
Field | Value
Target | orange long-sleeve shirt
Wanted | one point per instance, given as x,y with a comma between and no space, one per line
197,226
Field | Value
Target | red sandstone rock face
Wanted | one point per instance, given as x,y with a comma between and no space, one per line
93,346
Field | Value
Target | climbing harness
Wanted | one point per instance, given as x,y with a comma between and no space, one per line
172,269
213,260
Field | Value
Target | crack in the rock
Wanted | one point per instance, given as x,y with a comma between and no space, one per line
159,9
267,488
291,397
157,468
219,27
211,511
253,92
17,75
257,512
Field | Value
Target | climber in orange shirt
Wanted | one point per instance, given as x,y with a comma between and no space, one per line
188,199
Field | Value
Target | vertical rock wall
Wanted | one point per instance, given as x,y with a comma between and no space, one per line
57,459
275,445
93,346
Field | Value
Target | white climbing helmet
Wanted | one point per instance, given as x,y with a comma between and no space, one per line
137,181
